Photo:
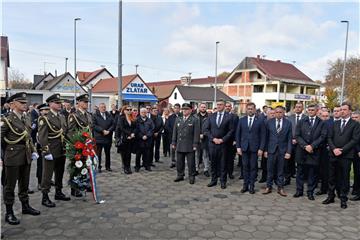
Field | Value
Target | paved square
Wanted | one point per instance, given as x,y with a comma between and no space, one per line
149,205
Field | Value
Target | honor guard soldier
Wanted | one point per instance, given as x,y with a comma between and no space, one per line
80,120
51,136
19,151
185,140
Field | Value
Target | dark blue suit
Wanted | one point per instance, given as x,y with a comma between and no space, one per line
218,152
250,140
278,144
231,146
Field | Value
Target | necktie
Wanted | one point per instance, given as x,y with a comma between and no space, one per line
23,120
297,119
342,125
219,119
103,115
250,123
278,126
311,122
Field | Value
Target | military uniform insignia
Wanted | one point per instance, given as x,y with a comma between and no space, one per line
24,95
41,122
1,123
71,119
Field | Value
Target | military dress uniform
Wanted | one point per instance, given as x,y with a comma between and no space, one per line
186,137
51,136
79,120
19,151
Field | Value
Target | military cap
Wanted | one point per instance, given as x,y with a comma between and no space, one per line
54,98
43,106
19,97
83,98
186,106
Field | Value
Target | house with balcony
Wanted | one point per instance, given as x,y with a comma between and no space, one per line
264,82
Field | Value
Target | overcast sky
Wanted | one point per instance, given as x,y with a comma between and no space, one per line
170,39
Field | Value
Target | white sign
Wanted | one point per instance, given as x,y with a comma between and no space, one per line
137,87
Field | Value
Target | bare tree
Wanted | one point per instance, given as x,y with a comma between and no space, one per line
17,80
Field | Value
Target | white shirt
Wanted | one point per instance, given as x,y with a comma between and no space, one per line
277,121
252,120
221,116
346,121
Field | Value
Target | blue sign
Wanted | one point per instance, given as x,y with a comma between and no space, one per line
302,97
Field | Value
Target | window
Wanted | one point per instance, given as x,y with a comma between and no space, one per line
258,88
282,86
302,89
175,96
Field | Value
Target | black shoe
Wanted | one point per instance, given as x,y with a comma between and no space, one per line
356,198
244,190
179,179
109,169
196,173
148,169
27,209
320,193
158,161
76,193
343,205
231,176
99,170
212,184
11,219
252,191
152,165
137,169
192,180
206,173
223,185
47,202
328,201
262,180
298,194
30,191
172,165
311,197
59,195
241,177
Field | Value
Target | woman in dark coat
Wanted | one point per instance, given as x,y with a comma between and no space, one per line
125,128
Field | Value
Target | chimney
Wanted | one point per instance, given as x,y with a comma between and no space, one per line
258,56
55,73
278,61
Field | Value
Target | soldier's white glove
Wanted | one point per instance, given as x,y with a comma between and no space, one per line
33,126
49,157
34,156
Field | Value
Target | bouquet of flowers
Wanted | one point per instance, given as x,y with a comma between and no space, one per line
82,160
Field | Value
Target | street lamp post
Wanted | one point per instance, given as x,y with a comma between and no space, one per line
75,74
344,67
120,97
216,63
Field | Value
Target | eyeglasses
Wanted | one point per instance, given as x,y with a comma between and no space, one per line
128,109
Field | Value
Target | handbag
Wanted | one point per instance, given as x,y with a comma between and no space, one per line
120,142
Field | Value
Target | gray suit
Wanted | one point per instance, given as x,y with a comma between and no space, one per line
186,136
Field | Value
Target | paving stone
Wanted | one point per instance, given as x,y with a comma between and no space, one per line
136,210
159,205
182,202
222,196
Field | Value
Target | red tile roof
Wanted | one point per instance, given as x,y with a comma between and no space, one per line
86,77
278,69
110,85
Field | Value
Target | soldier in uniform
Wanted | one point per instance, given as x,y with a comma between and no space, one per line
51,136
19,151
80,120
185,140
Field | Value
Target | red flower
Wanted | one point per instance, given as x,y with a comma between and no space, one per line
79,145
90,146
77,157
85,134
85,152
92,154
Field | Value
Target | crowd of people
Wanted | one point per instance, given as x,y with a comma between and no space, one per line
315,146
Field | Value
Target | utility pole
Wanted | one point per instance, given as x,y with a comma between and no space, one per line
216,63
66,59
344,67
120,57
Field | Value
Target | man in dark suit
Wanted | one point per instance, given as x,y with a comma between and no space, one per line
356,164
172,120
203,148
219,130
232,142
342,139
289,168
143,133
310,134
250,143
34,118
104,126
67,109
185,140
278,149
156,139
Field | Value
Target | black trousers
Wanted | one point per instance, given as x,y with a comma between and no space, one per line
218,156
180,163
311,172
356,167
263,165
155,149
166,144
231,152
39,166
289,165
126,157
324,169
20,174
339,176
142,152
249,160
107,148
